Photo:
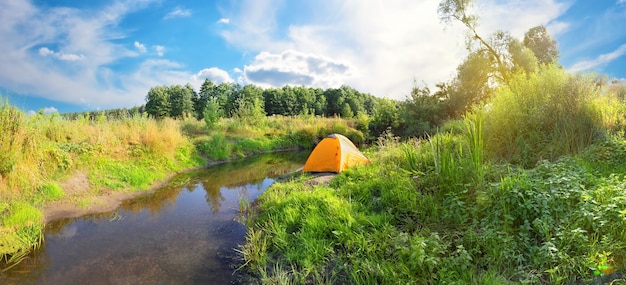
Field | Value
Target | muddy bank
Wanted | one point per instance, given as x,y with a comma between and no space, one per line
81,199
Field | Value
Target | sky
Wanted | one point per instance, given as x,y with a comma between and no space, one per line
73,56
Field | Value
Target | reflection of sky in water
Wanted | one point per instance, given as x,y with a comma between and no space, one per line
183,233
68,231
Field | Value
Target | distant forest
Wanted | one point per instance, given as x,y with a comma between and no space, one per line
373,115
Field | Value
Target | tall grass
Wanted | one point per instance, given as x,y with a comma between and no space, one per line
544,115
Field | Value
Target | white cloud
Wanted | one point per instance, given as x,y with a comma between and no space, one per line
50,110
214,74
178,12
252,25
160,50
223,21
518,16
602,59
141,47
46,110
621,1
44,51
556,28
295,68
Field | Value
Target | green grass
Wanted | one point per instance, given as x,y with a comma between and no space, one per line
410,218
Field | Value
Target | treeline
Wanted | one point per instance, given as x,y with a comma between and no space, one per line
110,114
229,99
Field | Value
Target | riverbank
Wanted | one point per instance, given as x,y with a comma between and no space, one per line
80,199
52,167
402,219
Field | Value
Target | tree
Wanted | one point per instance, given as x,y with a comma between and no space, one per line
306,100
450,10
522,58
542,45
422,112
273,101
471,84
385,117
207,91
181,103
248,104
158,102
212,113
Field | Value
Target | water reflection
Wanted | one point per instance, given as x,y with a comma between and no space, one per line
183,233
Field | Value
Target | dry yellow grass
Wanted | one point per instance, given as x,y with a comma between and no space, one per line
44,147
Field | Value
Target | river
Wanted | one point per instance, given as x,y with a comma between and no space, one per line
184,233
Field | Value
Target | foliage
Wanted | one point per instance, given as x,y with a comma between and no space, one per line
542,116
10,142
542,45
421,113
559,223
386,116
251,103
212,113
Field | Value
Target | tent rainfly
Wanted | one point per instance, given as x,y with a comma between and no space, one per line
335,153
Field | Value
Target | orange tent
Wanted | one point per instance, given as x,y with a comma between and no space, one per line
335,153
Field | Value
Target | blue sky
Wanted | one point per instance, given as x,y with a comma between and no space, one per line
71,56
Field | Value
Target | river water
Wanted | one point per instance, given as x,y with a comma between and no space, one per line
183,233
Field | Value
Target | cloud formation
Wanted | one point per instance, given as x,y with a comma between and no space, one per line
160,50
46,110
602,59
85,45
177,12
44,51
294,68
141,47
214,74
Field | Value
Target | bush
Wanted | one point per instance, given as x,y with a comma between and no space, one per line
544,115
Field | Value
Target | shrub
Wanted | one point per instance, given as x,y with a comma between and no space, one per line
543,115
